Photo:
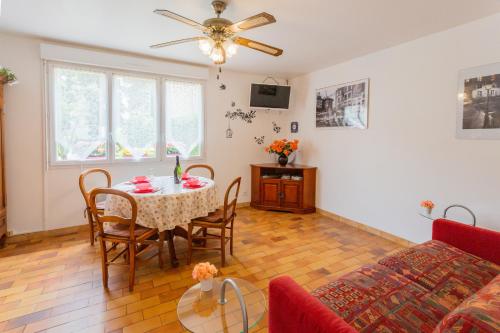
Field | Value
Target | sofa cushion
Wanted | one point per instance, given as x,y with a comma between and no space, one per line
449,273
377,299
479,313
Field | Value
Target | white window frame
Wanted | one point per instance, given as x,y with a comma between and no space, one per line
161,152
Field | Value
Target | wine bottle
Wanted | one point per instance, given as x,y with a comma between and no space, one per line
177,171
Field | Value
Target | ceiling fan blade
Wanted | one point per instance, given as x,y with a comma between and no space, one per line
180,18
274,51
252,22
179,41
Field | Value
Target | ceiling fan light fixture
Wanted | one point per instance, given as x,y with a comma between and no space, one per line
206,46
218,54
231,48
221,40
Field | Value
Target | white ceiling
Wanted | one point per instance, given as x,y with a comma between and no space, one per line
313,33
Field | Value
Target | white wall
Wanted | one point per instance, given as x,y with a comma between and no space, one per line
409,153
23,134
40,199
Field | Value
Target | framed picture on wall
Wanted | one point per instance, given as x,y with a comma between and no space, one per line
478,112
343,106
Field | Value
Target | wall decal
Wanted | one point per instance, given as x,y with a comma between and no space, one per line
245,116
229,131
294,127
259,140
276,128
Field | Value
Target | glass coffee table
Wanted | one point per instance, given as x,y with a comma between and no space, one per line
200,311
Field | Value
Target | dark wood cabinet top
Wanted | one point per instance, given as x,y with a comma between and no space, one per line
288,166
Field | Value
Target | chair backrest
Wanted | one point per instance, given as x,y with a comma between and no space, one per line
230,203
202,166
113,219
83,188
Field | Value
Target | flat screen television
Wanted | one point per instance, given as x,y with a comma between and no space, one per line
269,96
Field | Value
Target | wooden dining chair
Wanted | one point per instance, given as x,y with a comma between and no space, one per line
202,166
221,219
123,230
86,197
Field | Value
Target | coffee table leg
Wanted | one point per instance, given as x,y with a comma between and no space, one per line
171,248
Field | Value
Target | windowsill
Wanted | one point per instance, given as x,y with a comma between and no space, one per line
118,163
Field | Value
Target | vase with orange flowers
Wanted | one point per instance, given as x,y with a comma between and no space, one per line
283,148
204,272
428,205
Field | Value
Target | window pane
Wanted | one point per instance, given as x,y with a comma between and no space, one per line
80,118
135,117
184,118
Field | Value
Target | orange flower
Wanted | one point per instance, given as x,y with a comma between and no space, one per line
283,146
427,204
203,271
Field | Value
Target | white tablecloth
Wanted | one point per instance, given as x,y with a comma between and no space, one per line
171,206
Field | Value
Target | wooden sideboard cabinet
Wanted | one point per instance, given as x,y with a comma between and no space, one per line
291,188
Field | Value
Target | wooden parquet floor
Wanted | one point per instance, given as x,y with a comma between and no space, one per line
52,283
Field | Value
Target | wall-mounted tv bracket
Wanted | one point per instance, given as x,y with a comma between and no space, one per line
271,78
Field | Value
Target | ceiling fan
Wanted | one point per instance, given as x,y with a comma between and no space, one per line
221,40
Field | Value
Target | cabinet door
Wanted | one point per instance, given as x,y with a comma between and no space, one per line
270,192
291,194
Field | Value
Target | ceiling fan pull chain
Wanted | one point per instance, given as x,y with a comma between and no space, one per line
220,72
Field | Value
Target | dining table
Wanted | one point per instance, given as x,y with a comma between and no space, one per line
170,207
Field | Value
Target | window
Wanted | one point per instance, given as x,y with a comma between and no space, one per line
102,116
135,117
184,121
80,115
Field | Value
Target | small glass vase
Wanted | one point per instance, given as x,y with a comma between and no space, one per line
428,210
283,160
207,284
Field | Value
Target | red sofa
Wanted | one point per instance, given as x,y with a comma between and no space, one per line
449,284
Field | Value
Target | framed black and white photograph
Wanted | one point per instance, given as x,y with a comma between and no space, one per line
343,106
294,127
478,115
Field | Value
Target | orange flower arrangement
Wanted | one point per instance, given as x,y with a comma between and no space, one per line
204,271
283,147
427,204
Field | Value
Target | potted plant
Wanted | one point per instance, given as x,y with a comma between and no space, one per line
283,148
204,272
7,76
